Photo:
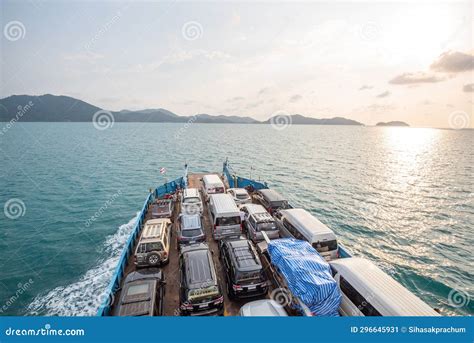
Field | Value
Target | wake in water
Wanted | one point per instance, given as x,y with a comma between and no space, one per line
84,297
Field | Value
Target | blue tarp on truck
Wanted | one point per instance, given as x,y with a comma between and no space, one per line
307,275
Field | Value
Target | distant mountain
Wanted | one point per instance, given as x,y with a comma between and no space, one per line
392,123
53,108
46,108
298,119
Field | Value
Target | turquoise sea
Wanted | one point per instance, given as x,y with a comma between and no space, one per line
402,197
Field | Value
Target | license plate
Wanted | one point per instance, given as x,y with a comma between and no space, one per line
252,287
192,242
203,306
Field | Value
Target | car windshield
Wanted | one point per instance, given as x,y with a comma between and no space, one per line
157,246
138,289
280,204
325,246
228,221
191,233
191,200
268,226
245,277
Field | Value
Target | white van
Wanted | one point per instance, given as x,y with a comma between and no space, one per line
368,291
212,184
301,224
224,215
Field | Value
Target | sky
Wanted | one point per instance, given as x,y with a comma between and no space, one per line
367,61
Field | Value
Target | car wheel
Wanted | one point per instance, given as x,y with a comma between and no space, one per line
153,259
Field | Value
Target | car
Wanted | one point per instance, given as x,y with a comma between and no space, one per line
224,216
263,308
200,293
191,202
243,269
162,208
142,294
240,196
190,229
154,245
212,184
257,220
271,200
300,224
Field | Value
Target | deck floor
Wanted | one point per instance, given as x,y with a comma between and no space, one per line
171,271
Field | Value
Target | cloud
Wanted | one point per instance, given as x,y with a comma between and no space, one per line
469,88
453,62
263,91
235,98
295,98
419,77
364,87
383,95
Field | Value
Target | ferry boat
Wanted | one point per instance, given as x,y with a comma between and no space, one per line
367,282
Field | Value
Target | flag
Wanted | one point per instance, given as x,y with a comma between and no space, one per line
162,170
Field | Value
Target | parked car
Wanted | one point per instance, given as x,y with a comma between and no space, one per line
162,208
257,220
154,245
191,202
190,229
271,200
263,308
300,224
142,294
244,272
200,293
240,196
212,184
224,216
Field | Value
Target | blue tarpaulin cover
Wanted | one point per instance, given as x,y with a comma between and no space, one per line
307,274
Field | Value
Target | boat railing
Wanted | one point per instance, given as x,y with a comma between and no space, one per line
114,285
241,182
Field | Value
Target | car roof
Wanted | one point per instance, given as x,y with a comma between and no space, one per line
154,228
224,203
199,268
137,304
306,222
190,221
264,307
143,274
239,190
191,193
388,296
271,195
212,179
243,255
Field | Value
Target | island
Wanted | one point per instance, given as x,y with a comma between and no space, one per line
393,123
60,108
